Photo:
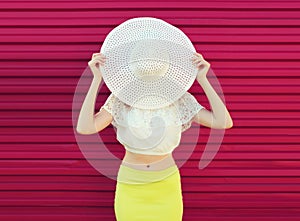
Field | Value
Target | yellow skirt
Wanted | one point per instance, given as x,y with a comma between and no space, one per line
148,195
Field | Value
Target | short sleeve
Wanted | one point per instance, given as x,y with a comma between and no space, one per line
118,110
108,105
188,107
111,106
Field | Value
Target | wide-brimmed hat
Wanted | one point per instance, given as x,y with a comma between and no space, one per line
148,62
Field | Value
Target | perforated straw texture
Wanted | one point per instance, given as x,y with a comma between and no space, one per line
148,62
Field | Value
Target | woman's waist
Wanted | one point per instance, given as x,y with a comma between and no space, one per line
155,164
140,158
147,173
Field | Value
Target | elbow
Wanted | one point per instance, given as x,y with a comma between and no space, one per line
224,125
86,126
229,124
85,131
81,131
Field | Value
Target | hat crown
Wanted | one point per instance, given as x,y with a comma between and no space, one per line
148,61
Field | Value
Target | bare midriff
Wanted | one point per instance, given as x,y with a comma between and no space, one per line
131,157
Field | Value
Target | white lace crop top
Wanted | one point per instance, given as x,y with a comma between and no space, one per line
151,132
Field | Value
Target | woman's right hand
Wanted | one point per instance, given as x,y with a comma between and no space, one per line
94,64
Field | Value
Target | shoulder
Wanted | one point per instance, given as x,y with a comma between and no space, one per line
188,101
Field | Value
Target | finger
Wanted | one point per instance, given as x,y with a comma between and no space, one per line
99,58
198,65
199,55
196,61
98,55
100,61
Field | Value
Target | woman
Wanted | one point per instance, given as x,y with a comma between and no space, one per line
149,186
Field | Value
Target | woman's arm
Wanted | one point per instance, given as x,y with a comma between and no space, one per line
219,117
88,123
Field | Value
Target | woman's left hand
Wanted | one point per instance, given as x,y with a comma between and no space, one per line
202,66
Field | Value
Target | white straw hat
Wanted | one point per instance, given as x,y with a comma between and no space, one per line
148,62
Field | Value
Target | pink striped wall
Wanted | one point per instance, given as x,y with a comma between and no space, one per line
253,48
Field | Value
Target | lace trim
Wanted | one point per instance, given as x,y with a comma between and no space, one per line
180,112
